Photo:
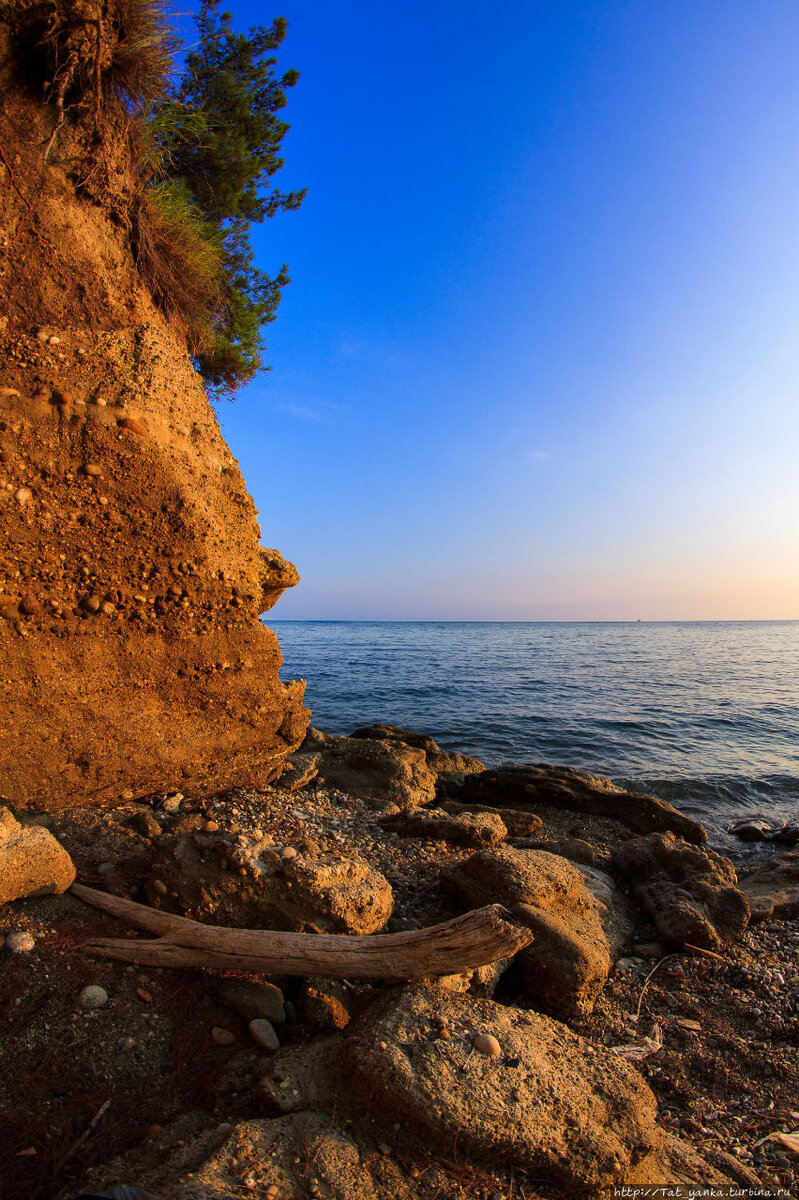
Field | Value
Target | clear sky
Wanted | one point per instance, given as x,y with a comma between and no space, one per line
540,355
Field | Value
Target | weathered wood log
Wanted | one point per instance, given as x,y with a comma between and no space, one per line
482,936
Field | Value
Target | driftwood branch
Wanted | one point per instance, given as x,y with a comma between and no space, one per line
482,936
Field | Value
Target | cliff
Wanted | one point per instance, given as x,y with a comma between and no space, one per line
132,659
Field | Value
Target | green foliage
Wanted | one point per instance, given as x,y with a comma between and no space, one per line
214,146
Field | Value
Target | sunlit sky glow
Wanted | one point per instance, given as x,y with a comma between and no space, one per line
540,355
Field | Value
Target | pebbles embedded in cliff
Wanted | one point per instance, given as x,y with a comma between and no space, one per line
149,696
275,574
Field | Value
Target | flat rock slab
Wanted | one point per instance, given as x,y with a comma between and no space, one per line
773,891
575,791
517,822
690,893
551,1101
440,761
461,829
570,958
32,862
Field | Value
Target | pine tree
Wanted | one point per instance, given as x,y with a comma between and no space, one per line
217,145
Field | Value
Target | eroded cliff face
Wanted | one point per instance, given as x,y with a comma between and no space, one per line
132,659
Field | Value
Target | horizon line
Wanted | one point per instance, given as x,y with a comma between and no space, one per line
534,620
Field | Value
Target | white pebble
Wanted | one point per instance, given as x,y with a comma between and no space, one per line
20,942
92,996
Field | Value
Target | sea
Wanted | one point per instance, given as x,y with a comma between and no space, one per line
704,714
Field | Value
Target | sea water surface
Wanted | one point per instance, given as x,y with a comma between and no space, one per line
704,714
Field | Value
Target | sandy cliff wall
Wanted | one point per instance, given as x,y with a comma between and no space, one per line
131,578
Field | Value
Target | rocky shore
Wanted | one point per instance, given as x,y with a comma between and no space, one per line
646,1035
639,1025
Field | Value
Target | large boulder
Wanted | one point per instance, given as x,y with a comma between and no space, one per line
773,889
570,958
533,785
249,886
387,773
32,862
551,1102
132,659
691,894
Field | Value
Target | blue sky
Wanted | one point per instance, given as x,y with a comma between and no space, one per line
539,358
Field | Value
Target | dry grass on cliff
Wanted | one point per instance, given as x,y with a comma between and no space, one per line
179,260
86,59
142,58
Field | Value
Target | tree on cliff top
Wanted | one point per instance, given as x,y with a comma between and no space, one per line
215,144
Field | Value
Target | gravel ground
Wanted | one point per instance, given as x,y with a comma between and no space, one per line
725,1075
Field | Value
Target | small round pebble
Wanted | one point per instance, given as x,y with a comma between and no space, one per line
222,1037
263,1034
20,942
92,996
486,1043
288,852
